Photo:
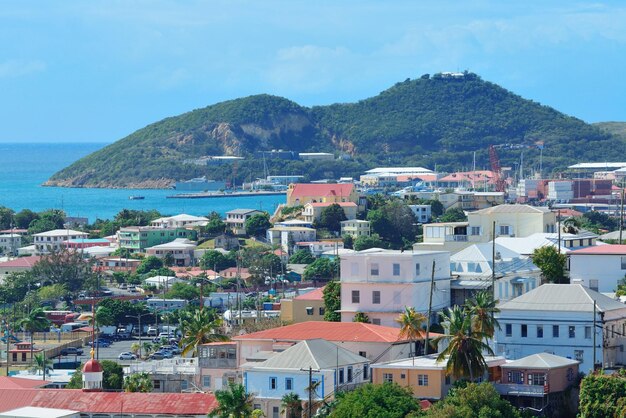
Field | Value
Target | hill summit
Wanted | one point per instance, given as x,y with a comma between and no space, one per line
439,120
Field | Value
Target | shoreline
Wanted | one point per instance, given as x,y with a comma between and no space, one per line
209,195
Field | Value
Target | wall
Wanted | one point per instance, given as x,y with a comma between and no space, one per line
436,388
607,269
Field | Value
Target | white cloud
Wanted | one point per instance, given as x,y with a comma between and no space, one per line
18,68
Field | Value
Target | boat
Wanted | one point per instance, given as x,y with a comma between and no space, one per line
136,197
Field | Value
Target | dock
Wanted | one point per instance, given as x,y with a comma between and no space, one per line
209,195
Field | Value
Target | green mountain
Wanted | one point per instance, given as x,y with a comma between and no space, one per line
614,128
440,120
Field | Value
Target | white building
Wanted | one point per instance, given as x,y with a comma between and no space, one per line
356,228
48,241
179,221
422,213
559,319
600,268
318,248
162,281
313,210
181,250
287,236
381,283
236,219
9,243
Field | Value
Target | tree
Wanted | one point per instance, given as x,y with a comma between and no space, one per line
572,225
6,217
331,218
215,260
361,317
215,225
436,208
105,317
65,267
52,292
138,382
464,353
551,263
183,291
233,402
603,395
388,400
42,363
302,257
256,225
453,215
168,260
112,376
322,268
291,405
149,264
481,309
348,241
24,217
332,301
473,400
266,265
411,323
198,327
365,242
35,321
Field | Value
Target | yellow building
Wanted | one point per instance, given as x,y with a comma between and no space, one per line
303,308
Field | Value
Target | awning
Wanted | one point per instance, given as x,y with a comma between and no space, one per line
470,284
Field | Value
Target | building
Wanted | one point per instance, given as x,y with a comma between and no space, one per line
9,243
313,211
181,250
569,242
318,248
291,371
22,352
287,236
118,264
200,184
82,243
426,376
236,219
179,221
169,375
48,241
356,228
139,238
325,156
306,307
530,381
559,319
218,365
299,194
17,265
422,213
162,281
381,283
600,268
226,241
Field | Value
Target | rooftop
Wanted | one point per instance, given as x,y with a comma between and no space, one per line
400,170
601,250
326,204
24,262
513,209
429,362
242,211
540,361
309,189
316,294
59,233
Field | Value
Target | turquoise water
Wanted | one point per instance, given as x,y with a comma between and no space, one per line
24,167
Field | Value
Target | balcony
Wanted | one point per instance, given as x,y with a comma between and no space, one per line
218,363
520,390
456,238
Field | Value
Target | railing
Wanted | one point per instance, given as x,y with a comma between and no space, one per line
218,363
169,366
458,238
521,390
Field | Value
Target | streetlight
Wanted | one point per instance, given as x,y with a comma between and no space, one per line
138,318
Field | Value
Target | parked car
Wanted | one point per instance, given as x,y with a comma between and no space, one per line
72,351
156,356
99,343
127,355
165,353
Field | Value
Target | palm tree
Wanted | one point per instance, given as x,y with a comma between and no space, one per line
234,402
42,363
138,382
411,323
482,309
35,321
198,328
571,225
292,405
464,353
312,391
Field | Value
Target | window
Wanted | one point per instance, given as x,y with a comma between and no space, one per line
387,377
539,331
365,371
516,377
341,376
623,263
422,380
206,381
356,296
402,376
537,379
256,406
509,330
362,354
417,269
273,383
593,284
578,355
376,297
157,384
524,331
588,333
555,331
475,230
349,373
396,269
572,331
184,385
448,379
376,321
374,269
309,310
505,230
322,310
288,383
275,412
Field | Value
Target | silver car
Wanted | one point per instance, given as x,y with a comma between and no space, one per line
127,356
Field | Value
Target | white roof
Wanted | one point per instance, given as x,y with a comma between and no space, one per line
60,233
563,298
429,362
598,166
399,170
526,245
483,252
177,243
37,412
183,217
10,235
394,253
513,209
540,361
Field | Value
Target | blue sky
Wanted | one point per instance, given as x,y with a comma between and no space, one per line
98,70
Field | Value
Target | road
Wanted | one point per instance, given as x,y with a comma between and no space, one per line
109,353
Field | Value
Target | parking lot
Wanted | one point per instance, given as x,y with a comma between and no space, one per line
111,352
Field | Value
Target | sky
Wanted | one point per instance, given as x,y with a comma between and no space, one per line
95,71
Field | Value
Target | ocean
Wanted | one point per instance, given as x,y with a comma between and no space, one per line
24,167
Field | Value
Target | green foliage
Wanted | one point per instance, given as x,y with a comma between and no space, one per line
361,317
364,242
551,263
52,292
597,221
290,210
394,222
233,402
23,218
215,225
149,264
302,257
199,327
388,400
215,260
474,400
348,241
332,301
47,220
322,268
112,376
6,217
331,218
291,405
453,215
138,382
256,225
183,291
104,316
119,309
600,396
67,268
35,321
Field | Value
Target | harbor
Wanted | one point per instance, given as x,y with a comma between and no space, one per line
207,195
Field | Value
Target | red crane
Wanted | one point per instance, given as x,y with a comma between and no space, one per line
497,170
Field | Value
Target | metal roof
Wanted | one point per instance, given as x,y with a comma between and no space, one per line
540,361
514,209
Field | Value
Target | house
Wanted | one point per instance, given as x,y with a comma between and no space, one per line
168,375
381,283
82,243
356,228
218,365
286,236
179,221
422,213
17,265
530,381
48,241
426,376
559,319
226,241
299,194
317,248
313,211
457,199
508,220
569,242
139,238
306,307
118,264
21,354
600,268
298,367
181,251
236,219
9,243
162,281
472,271
233,272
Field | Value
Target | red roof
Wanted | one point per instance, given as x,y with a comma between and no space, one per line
324,190
109,402
316,294
14,231
326,204
19,383
330,331
601,250
92,366
24,262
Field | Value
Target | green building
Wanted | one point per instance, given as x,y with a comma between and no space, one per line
138,238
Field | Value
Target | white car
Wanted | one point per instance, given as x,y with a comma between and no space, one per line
127,356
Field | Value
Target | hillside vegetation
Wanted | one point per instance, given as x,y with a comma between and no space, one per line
426,121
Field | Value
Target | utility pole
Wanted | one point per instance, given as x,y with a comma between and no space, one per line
311,370
558,215
493,259
594,335
430,306
621,217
